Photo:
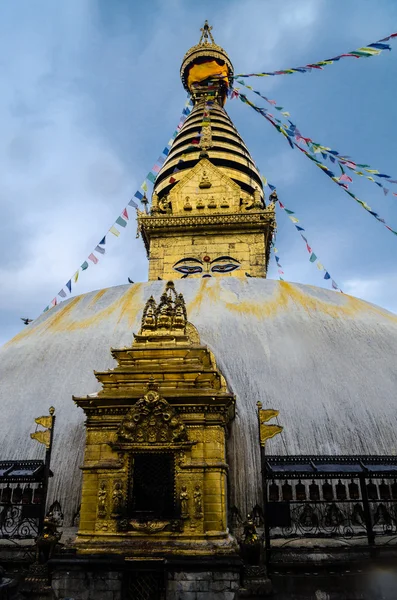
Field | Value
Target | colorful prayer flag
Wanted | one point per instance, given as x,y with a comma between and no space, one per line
115,231
69,285
125,214
100,250
151,176
132,203
93,258
76,276
144,186
103,241
84,266
62,294
121,221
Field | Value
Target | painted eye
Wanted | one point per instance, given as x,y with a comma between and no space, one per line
186,270
225,268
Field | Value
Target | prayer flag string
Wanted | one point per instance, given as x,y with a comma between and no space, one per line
281,128
334,156
313,258
373,49
123,219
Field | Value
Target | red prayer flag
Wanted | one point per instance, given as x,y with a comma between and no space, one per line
125,214
281,205
308,248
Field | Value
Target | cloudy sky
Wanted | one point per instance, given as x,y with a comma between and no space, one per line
90,94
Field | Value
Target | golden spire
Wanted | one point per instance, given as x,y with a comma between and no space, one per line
204,61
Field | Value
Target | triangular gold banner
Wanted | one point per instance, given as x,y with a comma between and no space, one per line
43,437
44,421
267,414
269,431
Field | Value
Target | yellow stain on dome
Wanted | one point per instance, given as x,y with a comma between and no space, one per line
285,295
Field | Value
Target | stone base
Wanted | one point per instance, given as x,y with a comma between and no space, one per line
256,584
203,585
113,578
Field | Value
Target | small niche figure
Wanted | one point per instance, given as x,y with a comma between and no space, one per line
187,205
184,499
117,498
198,502
102,500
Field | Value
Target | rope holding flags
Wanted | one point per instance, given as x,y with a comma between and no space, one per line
326,152
312,256
373,49
288,134
123,219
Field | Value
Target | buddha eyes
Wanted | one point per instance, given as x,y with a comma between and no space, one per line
224,268
222,264
189,270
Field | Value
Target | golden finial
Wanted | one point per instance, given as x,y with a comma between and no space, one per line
205,32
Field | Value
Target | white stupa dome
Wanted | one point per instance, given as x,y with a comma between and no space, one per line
325,360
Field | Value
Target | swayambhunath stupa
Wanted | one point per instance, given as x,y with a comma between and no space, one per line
218,434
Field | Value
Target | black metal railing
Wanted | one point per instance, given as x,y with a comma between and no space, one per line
22,498
330,497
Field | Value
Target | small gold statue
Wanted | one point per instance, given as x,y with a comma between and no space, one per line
184,499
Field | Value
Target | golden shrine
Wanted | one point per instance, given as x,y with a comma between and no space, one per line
154,473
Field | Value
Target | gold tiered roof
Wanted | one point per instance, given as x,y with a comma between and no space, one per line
208,91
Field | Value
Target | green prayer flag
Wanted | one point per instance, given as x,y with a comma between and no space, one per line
313,257
84,266
289,212
121,221
152,177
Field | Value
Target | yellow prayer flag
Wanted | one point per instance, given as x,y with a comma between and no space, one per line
370,178
275,250
264,179
285,113
294,219
374,171
144,186
115,231
320,266
76,276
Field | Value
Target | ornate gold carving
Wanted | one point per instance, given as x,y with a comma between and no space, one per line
153,421
187,205
184,500
149,526
198,502
102,500
169,314
206,136
205,182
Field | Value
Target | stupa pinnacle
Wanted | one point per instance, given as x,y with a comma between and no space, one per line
208,214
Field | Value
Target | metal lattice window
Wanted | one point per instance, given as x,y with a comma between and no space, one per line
144,586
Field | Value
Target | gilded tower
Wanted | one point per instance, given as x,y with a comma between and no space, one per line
208,215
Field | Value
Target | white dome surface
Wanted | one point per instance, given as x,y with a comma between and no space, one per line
325,360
